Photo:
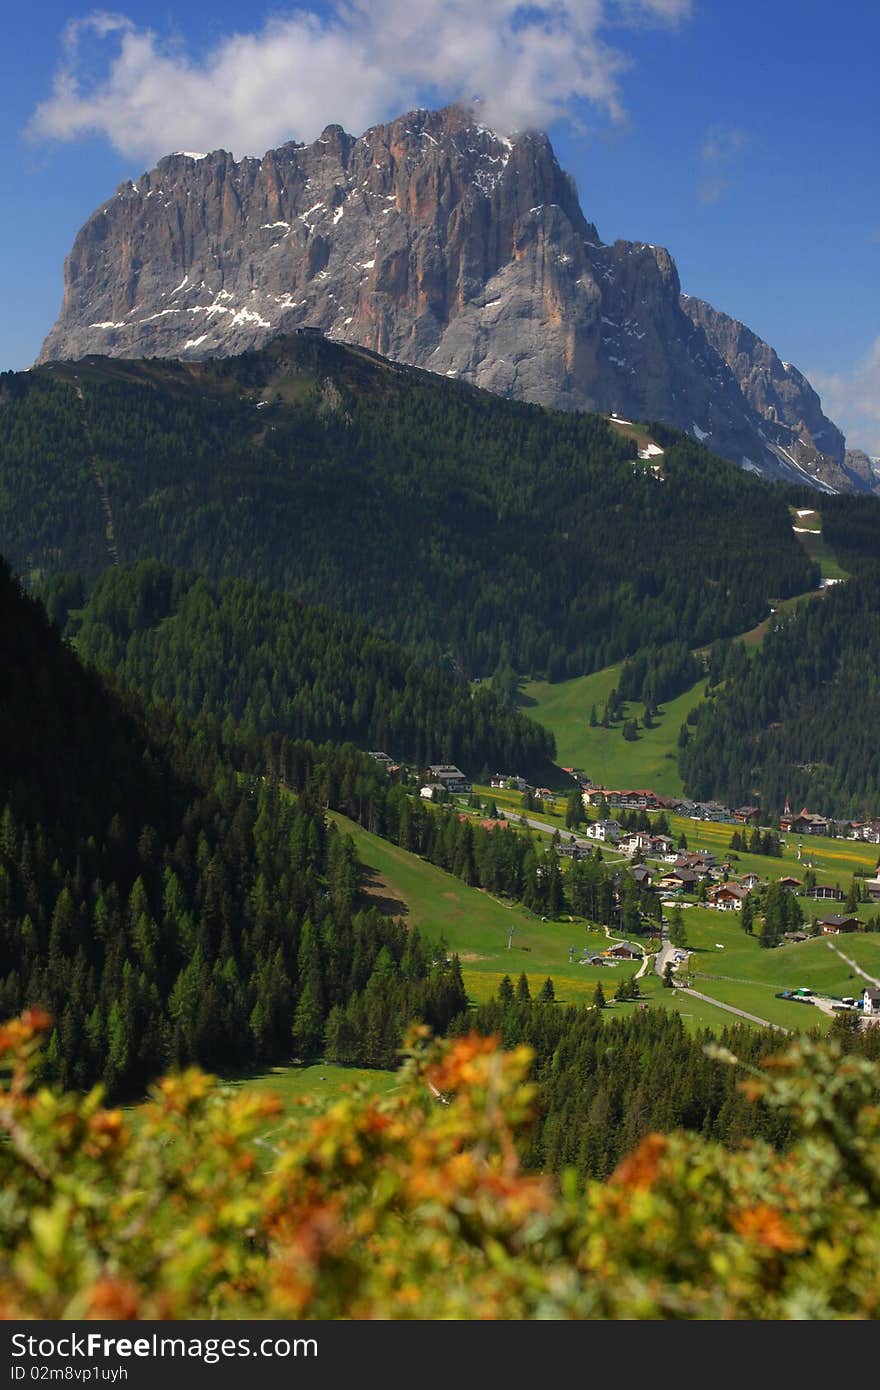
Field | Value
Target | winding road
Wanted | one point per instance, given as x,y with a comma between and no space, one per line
667,953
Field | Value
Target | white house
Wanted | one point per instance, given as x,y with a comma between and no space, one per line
503,781
604,830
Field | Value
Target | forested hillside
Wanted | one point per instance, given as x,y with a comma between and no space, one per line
271,663
461,524
605,1083
800,719
164,902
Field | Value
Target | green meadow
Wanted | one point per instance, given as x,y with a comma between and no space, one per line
479,927
604,754
308,1090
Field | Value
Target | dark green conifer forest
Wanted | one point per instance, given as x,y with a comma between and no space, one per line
469,528
166,902
273,664
800,719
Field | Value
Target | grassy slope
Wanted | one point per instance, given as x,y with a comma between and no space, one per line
604,754
746,975
477,927
742,973
308,1090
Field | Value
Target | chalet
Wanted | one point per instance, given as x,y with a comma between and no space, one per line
679,881
701,860
502,782
447,776
604,830
871,1000
752,881
747,815
661,845
728,897
624,950
872,888
700,865
792,884
637,842
795,936
543,794
711,810
804,823
574,848
643,876
841,829
824,892
834,924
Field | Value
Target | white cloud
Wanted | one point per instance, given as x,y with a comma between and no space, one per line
721,148
366,61
852,399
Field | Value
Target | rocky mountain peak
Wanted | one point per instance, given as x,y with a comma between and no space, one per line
439,242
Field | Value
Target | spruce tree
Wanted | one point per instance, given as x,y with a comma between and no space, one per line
505,991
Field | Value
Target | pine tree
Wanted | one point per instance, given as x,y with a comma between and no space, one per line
747,915
677,929
505,991
308,1021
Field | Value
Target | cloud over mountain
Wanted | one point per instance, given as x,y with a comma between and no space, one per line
531,64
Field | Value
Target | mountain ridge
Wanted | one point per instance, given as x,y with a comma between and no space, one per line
434,241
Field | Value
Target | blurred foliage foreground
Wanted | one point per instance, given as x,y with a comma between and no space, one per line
206,1202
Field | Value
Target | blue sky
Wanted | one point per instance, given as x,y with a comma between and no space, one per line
743,136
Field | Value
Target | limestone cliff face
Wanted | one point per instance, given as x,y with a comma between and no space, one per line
434,241
783,399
